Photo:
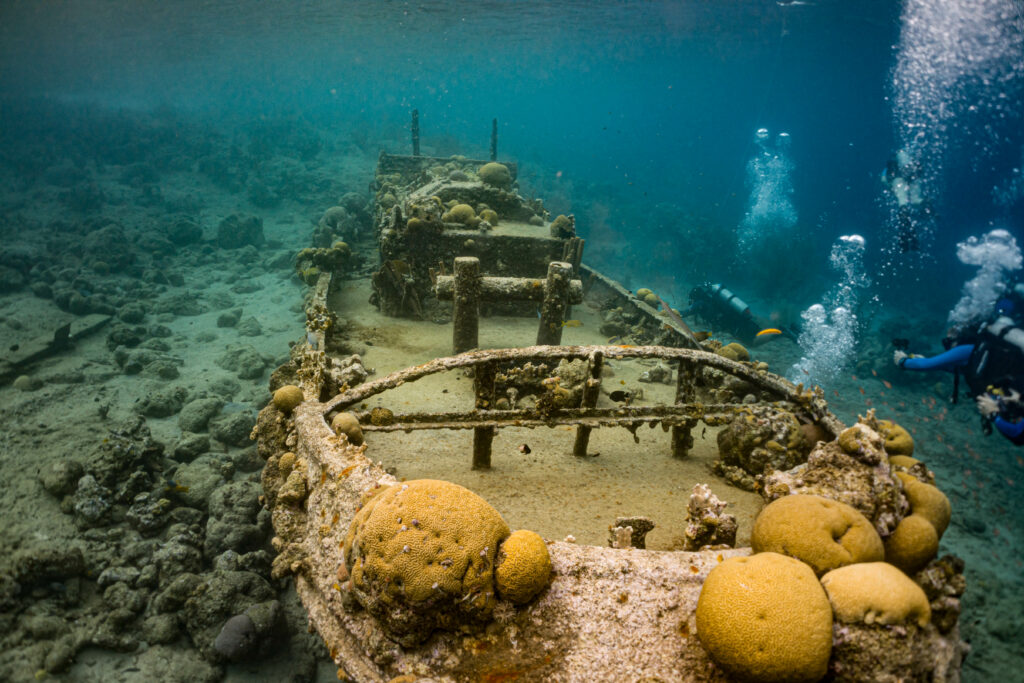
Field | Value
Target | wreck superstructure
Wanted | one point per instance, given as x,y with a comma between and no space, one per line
456,229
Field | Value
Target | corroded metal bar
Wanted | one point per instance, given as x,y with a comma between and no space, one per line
483,387
523,417
591,391
556,300
686,377
812,402
506,289
466,307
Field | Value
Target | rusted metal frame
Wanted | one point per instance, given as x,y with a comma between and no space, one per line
466,304
591,391
686,378
466,288
520,417
811,402
494,288
483,387
556,301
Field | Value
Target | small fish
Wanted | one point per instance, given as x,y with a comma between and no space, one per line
174,487
619,396
702,336
615,340
887,383
572,323
768,331
524,449
15,347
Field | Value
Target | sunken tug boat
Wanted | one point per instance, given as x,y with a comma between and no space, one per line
422,579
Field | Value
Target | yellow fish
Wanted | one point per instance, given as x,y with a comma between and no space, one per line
572,323
768,330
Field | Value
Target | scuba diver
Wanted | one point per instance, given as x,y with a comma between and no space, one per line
721,308
912,210
991,360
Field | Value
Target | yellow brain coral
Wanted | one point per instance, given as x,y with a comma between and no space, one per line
524,567
734,351
912,544
928,501
460,213
495,174
347,424
897,439
425,540
875,592
287,398
765,618
823,533
489,215
903,461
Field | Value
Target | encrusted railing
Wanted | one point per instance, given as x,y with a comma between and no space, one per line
484,419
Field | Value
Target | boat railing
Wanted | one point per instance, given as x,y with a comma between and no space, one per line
484,418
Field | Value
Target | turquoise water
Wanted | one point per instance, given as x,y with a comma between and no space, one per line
642,119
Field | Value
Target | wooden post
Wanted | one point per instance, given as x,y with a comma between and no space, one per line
591,390
556,300
682,439
572,253
466,304
483,387
415,132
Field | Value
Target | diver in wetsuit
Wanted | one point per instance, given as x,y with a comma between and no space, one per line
992,362
912,210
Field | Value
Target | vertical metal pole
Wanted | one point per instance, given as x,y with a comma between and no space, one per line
682,439
466,304
556,300
483,386
415,132
591,390
494,139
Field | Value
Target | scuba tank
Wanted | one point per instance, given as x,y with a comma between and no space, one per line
727,298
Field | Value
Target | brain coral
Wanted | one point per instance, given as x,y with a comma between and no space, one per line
765,618
928,501
421,556
912,544
287,398
495,174
897,439
347,424
903,461
734,351
875,592
823,533
460,213
524,567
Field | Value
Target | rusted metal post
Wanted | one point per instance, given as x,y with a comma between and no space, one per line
483,387
415,132
686,377
556,300
466,304
572,254
494,139
591,390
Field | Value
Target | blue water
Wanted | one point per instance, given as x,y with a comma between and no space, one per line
640,118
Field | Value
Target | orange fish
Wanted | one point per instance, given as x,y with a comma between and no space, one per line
887,383
874,373
860,389
767,331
